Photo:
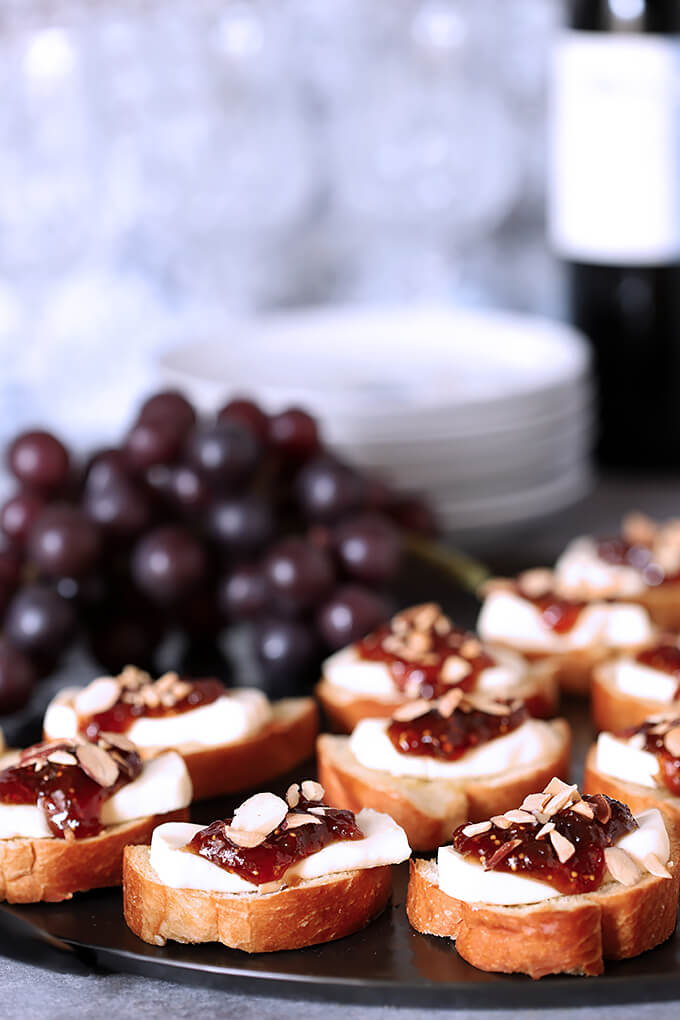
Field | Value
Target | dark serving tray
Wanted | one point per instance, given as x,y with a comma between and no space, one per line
386,963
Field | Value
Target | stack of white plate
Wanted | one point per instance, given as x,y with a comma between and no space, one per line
488,415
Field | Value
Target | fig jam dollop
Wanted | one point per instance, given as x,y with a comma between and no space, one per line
448,738
621,553
665,657
131,706
518,851
557,613
415,657
70,799
654,741
282,848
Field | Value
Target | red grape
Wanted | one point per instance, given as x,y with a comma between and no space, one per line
350,614
19,513
244,594
38,459
369,548
188,489
38,621
294,433
414,514
156,441
287,650
249,414
328,490
168,564
242,525
225,452
64,541
17,678
299,574
119,506
168,405
11,562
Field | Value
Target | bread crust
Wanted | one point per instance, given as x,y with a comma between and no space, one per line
615,710
343,709
662,602
637,797
52,870
568,934
429,810
315,911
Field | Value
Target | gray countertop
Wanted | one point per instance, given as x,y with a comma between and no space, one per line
57,987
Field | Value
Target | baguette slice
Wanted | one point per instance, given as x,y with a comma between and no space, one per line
314,911
51,870
428,810
637,797
567,934
344,709
615,710
662,602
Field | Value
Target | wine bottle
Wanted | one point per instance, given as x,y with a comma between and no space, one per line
614,214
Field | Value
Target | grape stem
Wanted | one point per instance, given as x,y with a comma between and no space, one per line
466,571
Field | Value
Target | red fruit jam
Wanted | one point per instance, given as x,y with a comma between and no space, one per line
70,799
665,657
621,553
557,613
120,717
669,763
448,738
517,850
282,848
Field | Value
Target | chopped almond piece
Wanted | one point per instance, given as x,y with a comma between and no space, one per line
476,829
621,865
564,848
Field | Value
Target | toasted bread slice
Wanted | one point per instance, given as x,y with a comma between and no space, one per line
614,710
637,797
344,709
314,911
662,602
51,870
429,810
567,934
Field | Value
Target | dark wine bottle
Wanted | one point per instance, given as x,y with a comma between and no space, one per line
614,214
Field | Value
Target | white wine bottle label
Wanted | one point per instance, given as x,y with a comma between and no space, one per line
614,188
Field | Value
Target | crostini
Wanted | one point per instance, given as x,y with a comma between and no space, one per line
557,885
279,874
632,687
436,764
69,807
231,740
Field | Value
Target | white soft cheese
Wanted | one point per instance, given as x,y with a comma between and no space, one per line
465,879
581,571
516,621
362,676
622,760
632,677
163,785
533,741
384,843
234,716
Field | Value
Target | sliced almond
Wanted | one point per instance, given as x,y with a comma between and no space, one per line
426,616
97,764
152,699
295,820
180,690
97,697
582,807
476,829
621,865
639,529
672,741
471,648
263,812
62,758
548,827
536,582
293,795
535,802
244,837
503,851
601,807
656,867
557,786
133,678
455,669
418,642
411,710
118,740
442,625
564,848
312,790
317,810
561,800
448,704
501,822
166,682
488,706
520,817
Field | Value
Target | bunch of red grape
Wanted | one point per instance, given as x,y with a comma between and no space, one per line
193,526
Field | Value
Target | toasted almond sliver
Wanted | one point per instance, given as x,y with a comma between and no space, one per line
564,848
296,819
262,813
582,807
62,758
448,704
656,867
487,705
536,582
548,827
245,838
621,865
557,786
535,802
639,529
562,800
476,829
311,790
317,811
411,710
118,740
672,741
97,764
293,795
427,616
99,696
501,822
520,817
455,669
